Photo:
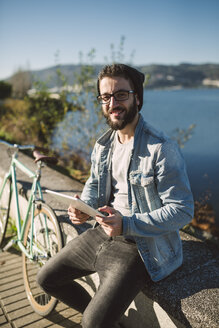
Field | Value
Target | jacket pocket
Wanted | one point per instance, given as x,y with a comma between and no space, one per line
144,180
145,191
138,178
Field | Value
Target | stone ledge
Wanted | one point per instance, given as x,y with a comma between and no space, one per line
187,298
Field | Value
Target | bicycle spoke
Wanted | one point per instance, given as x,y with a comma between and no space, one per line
40,301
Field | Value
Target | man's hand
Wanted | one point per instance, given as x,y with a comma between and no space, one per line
111,224
76,216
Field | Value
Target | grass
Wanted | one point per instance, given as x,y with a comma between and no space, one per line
10,233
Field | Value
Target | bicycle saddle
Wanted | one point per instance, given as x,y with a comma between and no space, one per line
43,158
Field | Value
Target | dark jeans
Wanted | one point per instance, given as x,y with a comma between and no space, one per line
121,271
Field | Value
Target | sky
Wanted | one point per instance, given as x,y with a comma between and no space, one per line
36,34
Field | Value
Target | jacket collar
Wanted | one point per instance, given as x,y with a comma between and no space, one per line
107,138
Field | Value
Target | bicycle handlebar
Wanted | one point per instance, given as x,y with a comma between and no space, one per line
20,147
38,156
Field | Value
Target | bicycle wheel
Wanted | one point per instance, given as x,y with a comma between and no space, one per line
41,302
4,211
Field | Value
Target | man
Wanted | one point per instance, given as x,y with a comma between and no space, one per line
138,178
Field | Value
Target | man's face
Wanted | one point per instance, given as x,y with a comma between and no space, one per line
118,113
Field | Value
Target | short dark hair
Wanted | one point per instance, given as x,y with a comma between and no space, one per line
131,74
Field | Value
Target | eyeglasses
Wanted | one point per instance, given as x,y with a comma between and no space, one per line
120,95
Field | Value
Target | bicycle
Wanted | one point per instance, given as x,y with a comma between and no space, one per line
38,233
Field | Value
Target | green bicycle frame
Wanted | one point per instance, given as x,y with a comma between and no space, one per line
36,189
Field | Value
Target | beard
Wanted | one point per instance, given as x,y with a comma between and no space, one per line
128,117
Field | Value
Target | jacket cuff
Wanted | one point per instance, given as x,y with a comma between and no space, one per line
125,225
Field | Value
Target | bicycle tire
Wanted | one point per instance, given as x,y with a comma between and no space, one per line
4,211
41,302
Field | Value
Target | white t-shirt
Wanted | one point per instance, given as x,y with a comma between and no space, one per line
120,163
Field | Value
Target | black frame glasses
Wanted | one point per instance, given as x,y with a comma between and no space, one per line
120,95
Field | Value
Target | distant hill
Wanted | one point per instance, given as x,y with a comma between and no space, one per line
184,75
161,76
49,75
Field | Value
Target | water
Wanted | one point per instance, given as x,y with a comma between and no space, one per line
168,110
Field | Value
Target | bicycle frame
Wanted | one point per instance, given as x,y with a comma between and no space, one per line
36,189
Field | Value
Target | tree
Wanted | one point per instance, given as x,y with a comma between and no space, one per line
21,83
5,90
181,136
44,112
79,130
74,132
71,108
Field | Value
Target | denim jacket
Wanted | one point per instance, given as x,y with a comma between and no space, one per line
159,195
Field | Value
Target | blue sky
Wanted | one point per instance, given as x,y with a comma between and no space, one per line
158,31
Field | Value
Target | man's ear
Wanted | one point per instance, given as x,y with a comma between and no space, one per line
137,99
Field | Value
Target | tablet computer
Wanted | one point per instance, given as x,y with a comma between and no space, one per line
75,202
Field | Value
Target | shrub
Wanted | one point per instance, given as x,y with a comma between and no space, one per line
5,90
44,112
14,126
